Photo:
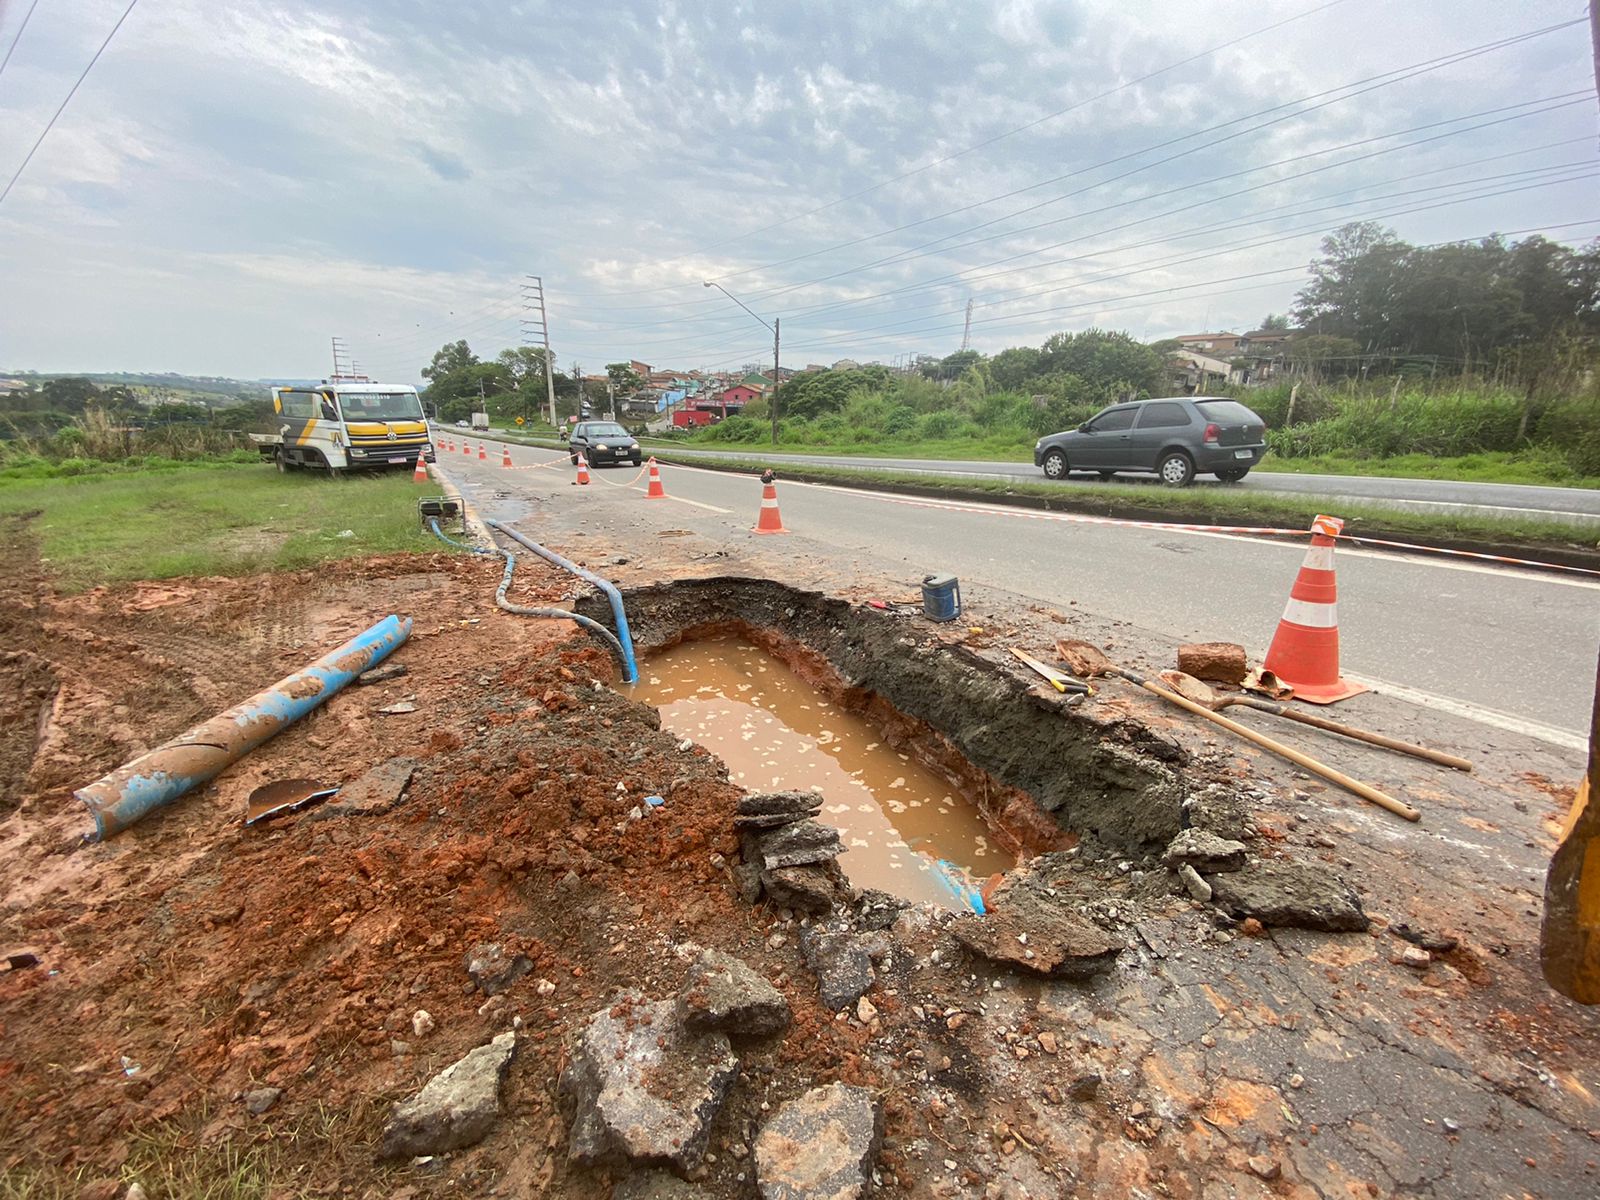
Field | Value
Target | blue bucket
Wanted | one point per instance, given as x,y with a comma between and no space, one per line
941,597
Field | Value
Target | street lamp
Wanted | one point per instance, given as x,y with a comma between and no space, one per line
776,322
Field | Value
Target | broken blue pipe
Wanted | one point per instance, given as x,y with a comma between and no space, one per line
159,777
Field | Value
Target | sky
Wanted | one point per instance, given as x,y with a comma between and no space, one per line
235,184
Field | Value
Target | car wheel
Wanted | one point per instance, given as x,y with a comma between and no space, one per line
1175,469
1107,474
1055,465
1232,476
637,461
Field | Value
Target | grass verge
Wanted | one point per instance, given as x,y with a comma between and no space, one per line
209,518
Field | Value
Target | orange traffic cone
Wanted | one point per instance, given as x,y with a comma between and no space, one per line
420,475
583,470
1305,650
655,491
505,461
770,521
482,457
466,449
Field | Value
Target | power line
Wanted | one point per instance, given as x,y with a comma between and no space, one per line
976,146
1380,80
57,115
25,18
965,275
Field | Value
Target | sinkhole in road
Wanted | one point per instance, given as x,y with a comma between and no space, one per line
909,830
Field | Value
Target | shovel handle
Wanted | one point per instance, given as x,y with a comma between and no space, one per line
1365,791
1349,731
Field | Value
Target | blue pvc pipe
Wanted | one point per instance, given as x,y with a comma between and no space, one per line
624,638
117,800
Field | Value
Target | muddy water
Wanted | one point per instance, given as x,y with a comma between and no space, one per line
777,733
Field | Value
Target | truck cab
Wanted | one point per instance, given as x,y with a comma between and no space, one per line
346,426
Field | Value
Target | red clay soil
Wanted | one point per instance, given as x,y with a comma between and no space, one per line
191,959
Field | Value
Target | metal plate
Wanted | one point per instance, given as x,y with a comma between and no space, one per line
283,795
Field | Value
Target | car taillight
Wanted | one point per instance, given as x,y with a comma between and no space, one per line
1211,434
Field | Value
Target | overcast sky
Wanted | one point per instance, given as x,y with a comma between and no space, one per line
235,183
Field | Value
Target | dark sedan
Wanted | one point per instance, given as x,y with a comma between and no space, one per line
1175,437
602,442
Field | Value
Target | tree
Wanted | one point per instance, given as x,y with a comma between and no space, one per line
624,379
1274,323
448,359
1351,293
1109,366
68,395
1012,370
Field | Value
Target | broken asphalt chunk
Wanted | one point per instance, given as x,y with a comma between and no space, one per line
821,1146
842,963
456,1108
1205,852
798,845
493,970
1289,894
643,1087
724,994
376,792
1030,930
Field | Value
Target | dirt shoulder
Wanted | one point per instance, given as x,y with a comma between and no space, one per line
240,1005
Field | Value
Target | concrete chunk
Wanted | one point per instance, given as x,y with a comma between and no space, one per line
642,1087
456,1108
1204,851
722,993
1030,930
821,1146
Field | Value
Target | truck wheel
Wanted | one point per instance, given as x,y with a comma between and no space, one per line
280,459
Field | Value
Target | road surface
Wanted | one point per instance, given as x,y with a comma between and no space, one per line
1512,649
1580,506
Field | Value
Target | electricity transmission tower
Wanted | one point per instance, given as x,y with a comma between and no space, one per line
533,301
966,332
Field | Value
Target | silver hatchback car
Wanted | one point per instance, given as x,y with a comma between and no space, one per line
1176,437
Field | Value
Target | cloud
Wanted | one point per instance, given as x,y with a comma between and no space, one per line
237,182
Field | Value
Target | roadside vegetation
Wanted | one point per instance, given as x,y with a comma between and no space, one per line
1475,357
104,521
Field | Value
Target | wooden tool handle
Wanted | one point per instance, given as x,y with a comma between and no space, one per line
1349,731
1366,792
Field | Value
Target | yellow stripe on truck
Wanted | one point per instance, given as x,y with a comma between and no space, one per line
305,434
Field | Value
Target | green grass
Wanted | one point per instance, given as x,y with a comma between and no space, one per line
209,518
1496,466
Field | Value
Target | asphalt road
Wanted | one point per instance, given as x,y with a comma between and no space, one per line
1512,649
1576,505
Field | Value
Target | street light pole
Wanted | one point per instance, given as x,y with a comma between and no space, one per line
774,326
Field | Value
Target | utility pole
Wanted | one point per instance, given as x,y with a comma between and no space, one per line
1594,40
966,332
533,300
773,403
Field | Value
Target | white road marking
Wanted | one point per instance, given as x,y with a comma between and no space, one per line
1567,739
696,503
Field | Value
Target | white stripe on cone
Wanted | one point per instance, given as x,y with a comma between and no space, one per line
1311,615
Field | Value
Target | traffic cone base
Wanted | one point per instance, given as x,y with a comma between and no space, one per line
770,521
655,491
1305,650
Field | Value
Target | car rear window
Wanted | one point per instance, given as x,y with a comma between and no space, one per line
1228,411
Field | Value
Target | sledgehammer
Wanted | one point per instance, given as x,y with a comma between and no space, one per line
1365,791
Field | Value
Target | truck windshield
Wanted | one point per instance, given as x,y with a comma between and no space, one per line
380,406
